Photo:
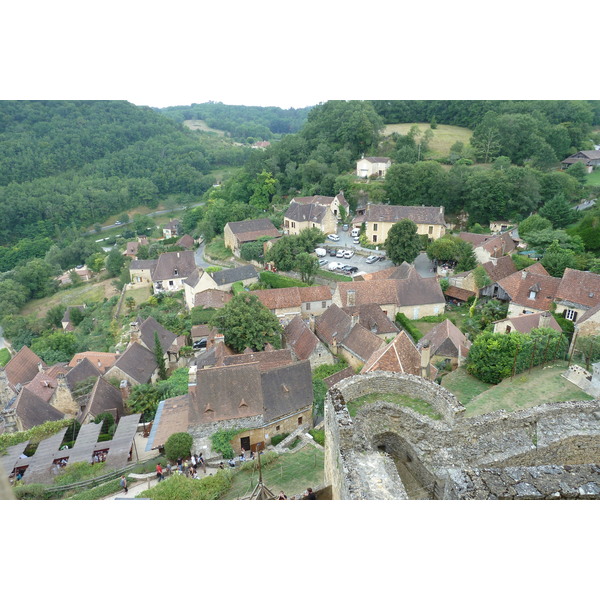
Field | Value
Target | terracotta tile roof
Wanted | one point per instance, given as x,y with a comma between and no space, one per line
400,272
80,372
313,213
174,265
511,283
525,323
171,417
23,366
185,241
315,293
323,200
57,369
266,360
252,230
42,385
496,245
300,338
132,249
138,362
286,390
101,360
580,288
202,330
399,356
445,339
371,317
334,323
103,398
503,267
337,377
227,276
458,293
32,410
361,342
212,298
543,288
389,213
279,298
224,393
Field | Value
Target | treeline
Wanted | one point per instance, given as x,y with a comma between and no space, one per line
242,122
76,163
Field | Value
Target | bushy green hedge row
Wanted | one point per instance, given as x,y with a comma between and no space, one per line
274,280
100,491
438,319
221,442
404,322
179,487
276,439
35,434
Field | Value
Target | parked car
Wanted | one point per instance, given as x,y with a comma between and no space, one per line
334,237
371,259
333,266
118,223
321,252
199,344
382,257
352,270
340,253
332,252
323,262
348,253
355,240
345,227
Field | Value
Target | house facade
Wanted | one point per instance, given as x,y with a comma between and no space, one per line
578,292
590,158
372,166
487,247
240,232
299,217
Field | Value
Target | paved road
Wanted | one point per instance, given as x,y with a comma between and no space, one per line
199,257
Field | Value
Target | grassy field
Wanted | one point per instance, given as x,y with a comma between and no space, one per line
4,356
416,404
84,294
199,125
292,473
543,385
217,249
593,178
139,294
443,136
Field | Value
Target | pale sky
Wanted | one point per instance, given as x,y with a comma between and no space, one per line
272,53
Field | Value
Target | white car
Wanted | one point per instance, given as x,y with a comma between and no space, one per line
323,262
321,252
335,265
355,240
334,237
339,253
348,253
372,259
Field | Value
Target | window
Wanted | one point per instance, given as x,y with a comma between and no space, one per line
508,329
299,420
532,295
293,225
170,283
374,226
571,315
277,428
431,230
374,238
287,224
324,304
308,306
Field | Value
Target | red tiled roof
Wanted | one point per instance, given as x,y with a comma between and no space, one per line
23,366
579,287
500,268
399,356
458,293
300,338
445,339
525,323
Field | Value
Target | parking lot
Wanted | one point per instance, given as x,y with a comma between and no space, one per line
359,259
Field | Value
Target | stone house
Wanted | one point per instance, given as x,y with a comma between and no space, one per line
371,317
131,250
525,323
212,299
497,269
590,158
186,241
379,219
104,398
578,292
501,226
263,403
140,271
286,303
299,217
401,356
305,344
171,229
372,166
487,247
414,296
137,365
237,233
529,292
223,280
171,269
335,203
589,322
446,342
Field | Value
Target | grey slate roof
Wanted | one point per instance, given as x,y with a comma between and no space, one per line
165,337
174,264
82,371
104,398
137,362
227,276
313,213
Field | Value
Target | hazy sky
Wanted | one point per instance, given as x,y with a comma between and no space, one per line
289,54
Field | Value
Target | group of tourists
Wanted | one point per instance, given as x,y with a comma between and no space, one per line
188,467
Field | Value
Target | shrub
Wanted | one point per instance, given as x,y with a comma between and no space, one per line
36,434
404,322
318,435
107,421
178,487
79,471
32,491
179,445
274,280
276,439
100,491
221,442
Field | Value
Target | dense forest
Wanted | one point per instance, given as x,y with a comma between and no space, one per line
242,122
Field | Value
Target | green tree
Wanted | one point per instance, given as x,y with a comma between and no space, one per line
159,357
179,445
96,261
402,242
579,171
55,347
533,223
557,259
130,303
246,323
55,314
308,266
264,188
107,421
558,211
143,399
114,262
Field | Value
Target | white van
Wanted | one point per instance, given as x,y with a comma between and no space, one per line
320,252
355,232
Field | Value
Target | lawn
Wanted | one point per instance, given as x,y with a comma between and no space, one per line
464,386
593,178
217,249
292,473
443,136
416,404
139,294
84,294
4,356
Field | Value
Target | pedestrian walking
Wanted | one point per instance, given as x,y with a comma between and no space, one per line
124,483
159,472
202,463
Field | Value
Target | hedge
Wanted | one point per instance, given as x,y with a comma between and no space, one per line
407,325
274,280
179,487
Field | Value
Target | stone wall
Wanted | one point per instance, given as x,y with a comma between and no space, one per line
439,452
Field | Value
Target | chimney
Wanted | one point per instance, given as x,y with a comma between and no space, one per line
544,319
124,388
334,348
354,319
40,367
311,323
523,274
351,298
192,376
425,359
